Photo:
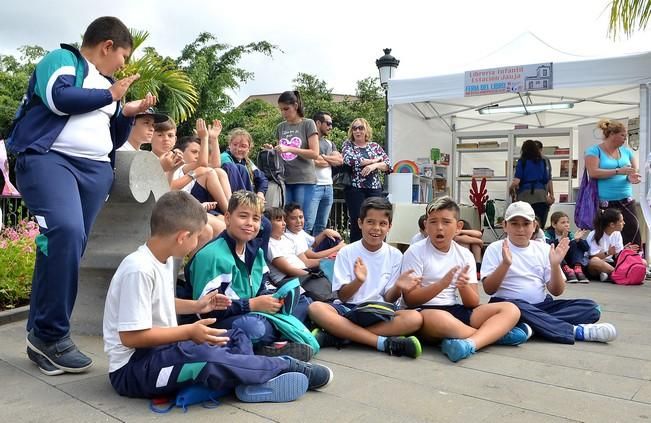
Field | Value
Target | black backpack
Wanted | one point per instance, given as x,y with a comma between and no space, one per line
272,165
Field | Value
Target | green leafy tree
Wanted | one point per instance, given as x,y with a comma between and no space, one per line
213,68
161,77
14,77
628,16
256,116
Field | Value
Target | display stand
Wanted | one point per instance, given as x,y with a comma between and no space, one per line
493,154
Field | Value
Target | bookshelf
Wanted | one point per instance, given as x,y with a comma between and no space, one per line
493,154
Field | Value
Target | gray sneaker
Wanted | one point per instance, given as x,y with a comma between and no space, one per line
63,354
43,364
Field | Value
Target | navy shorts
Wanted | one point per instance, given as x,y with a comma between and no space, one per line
459,311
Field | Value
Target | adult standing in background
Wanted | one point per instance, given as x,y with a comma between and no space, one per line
531,180
316,217
298,144
548,165
615,168
367,160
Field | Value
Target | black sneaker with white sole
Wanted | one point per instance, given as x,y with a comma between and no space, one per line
318,376
63,354
297,350
43,364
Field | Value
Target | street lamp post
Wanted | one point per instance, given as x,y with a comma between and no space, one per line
387,66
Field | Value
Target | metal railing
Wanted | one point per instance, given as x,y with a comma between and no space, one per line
13,210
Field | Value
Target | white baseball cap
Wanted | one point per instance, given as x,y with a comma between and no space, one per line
520,208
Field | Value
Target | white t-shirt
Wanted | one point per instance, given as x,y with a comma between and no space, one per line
178,173
528,275
88,135
383,269
418,237
606,241
140,296
283,247
302,240
127,147
432,264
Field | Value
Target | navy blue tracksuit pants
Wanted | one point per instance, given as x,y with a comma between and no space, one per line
65,194
163,371
554,320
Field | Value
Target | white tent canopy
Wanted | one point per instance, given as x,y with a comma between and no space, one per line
599,88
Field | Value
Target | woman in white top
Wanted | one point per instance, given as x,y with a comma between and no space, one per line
606,243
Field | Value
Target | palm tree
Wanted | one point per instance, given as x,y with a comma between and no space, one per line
161,78
628,16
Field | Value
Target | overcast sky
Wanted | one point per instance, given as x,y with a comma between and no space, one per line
339,41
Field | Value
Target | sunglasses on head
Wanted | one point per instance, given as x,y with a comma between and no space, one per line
358,128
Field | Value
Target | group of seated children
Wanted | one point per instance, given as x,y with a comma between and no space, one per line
383,300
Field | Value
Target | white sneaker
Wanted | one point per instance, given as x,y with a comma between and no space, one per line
599,332
603,277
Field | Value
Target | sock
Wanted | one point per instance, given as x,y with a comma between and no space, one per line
578,333
380,342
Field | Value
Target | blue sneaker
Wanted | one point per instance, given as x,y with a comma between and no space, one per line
515,336
457,349
43,364
62,354
283,388
526,328
318,376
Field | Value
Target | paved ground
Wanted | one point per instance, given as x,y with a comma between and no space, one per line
535,382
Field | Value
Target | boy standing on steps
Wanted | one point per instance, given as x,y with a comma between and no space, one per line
151,356
369,270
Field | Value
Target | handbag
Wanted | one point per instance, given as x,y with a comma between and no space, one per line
342,175
587,202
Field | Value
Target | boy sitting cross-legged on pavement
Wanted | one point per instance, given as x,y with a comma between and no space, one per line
447,268
369,270
520,271
234,265
151,356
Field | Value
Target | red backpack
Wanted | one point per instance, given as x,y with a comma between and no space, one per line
629,270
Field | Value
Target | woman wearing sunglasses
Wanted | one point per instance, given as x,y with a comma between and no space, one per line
367,160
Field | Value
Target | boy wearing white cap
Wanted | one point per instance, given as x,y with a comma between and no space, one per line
521,271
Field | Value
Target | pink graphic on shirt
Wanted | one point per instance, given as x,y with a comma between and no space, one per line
8,189
294,142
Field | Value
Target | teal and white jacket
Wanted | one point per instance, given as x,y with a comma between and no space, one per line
54,93
216,266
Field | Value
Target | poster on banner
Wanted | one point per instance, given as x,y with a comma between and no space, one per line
509,79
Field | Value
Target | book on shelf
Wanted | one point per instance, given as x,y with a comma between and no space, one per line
565,168
467,146
434,154
427,170
483,171
489,144
562,198
561,151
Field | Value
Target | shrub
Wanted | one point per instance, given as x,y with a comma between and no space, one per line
17,255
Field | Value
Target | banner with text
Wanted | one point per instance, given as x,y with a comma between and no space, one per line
509,79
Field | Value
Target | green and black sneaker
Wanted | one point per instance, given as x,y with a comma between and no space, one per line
401,345
326,340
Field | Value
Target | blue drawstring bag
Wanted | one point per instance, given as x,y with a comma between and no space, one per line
195,394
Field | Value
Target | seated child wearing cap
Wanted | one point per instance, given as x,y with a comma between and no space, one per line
368,270
520,271
448,272
142,130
